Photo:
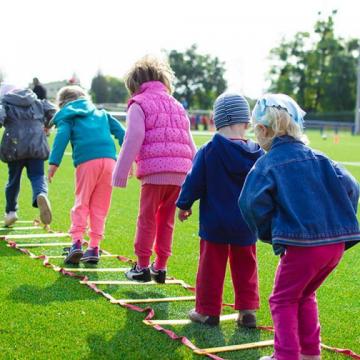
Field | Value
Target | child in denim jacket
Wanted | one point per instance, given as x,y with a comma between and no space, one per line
304,204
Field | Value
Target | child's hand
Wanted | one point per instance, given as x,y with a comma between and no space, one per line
184,214
51,172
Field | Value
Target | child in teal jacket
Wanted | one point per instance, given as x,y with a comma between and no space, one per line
89,131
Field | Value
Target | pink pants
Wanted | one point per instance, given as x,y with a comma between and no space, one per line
293,302
211,275
92,199
155,223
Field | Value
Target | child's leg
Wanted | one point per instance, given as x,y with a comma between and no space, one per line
299,267
86,177
244,275
210,277
13,186
150,198
36,175
100,201
165,219
309,326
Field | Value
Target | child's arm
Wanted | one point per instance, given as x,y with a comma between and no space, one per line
134,137
49,110
61,141
192,142
194,186
350,184
2,115
116,129
256,204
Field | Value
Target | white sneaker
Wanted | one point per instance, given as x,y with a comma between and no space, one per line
44,208
271,357
310,357
10,218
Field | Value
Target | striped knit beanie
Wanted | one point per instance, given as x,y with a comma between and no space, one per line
229,109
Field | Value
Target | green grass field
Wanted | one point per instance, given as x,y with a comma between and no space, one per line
44,315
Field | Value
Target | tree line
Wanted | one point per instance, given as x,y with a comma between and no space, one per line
317,68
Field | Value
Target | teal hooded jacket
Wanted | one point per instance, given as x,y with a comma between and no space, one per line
89,131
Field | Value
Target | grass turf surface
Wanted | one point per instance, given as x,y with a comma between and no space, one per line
45,315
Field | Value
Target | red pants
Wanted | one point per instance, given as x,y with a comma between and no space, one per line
211,275
293,301
155,223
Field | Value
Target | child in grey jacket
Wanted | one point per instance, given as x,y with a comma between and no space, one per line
24,145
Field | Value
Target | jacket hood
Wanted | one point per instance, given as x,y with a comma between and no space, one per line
24,97
73,109
237,156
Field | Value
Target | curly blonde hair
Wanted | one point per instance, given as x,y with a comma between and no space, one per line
280,123
70,93
149,68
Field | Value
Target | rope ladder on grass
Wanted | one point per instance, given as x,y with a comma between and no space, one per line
131,303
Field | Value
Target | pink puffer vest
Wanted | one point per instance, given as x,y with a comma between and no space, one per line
166,147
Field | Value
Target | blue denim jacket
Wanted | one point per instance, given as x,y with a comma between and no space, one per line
297,196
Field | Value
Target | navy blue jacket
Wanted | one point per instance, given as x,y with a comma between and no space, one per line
216,178
297,196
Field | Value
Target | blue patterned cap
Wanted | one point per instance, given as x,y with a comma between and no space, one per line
229,109
279,101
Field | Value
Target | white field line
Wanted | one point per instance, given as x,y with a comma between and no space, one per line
63,257
36,236
25,222
350,163
136,283
18,228
186,321
155,300
254,345
42,245
97,269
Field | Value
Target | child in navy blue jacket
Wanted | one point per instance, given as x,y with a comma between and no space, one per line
217,176
305,205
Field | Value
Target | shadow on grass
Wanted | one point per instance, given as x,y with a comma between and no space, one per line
133,341
6,251
60,290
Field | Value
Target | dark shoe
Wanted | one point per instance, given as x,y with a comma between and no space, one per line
91,256
135,274
247,318
43,204
157,275
203,319
74,253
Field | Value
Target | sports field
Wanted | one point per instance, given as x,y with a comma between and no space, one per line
44,315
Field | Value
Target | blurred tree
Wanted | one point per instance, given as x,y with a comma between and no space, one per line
320,74
108,89
117,92
199,78
99,88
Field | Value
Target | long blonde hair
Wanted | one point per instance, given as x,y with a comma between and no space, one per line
149,68
279,124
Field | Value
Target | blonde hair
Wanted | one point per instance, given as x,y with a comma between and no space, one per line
70,93
149,68
280,123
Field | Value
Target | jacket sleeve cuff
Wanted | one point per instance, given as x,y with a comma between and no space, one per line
120,182
183,206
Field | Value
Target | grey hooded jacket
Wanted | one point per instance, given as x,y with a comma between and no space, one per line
24,118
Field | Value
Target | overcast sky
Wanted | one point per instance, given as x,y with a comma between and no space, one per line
51,39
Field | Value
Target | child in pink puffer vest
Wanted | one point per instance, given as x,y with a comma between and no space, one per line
158,139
